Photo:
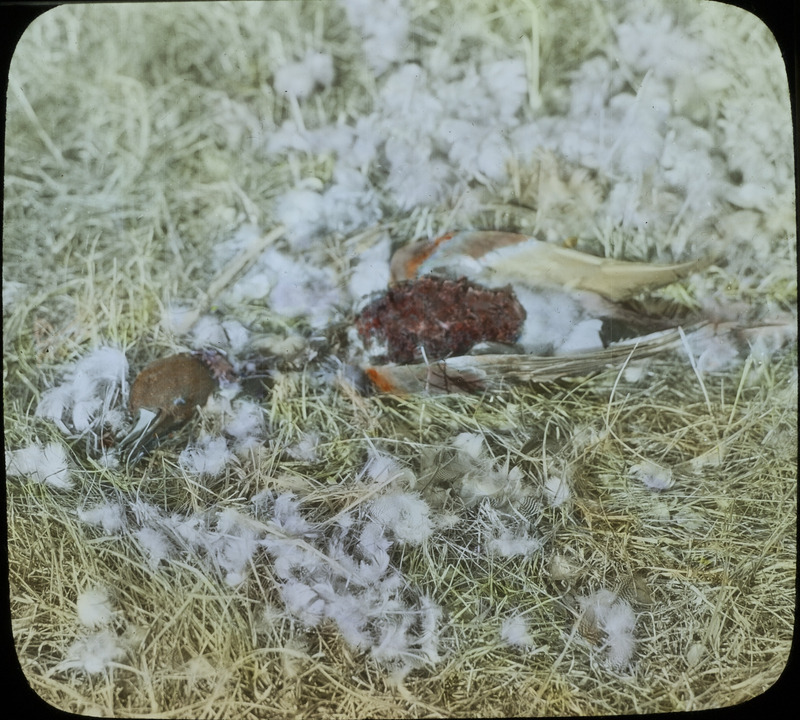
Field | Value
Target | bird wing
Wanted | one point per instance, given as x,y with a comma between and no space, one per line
476,373
500,258
538,263
479,373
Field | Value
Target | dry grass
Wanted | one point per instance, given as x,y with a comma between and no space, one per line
118,187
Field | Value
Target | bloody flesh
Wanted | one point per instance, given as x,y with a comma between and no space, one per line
443,317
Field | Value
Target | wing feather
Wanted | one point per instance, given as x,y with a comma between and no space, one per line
501,258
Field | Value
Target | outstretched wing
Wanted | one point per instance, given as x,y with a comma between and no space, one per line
539,263
500,258
476,373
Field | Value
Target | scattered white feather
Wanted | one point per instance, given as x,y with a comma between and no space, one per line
561,569
374,544
289,554
694,654
712,352
219,405
223,541
207,457
305,449
384,26
83,401
382,468
301,78
176,317
505,535
584,335
110,516
514,631
406,514
108,458
189,531
371,273
464,118
506,83
350,203
407,94
94,653
199,668
155,545
751,196
145,513
241,129
393,643
347,611
471,444
94,607
253,285
324,576
635,372
237,539
556,490
717,354
624,204
640,135
598,602
651,41
302,289
616,618
429,618
764,345
477,151
42,464
415,177
363,145
514,543
302,212
399,643
208,331
345,142
689,520
487,481
653,475
619,624
619,618
246,426
551,318
287,515
474,475
751,134
689,162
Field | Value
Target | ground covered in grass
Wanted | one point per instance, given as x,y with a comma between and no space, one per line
236,176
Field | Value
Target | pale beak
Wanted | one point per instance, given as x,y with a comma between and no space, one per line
133,443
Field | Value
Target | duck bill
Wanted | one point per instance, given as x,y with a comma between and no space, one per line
133,444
